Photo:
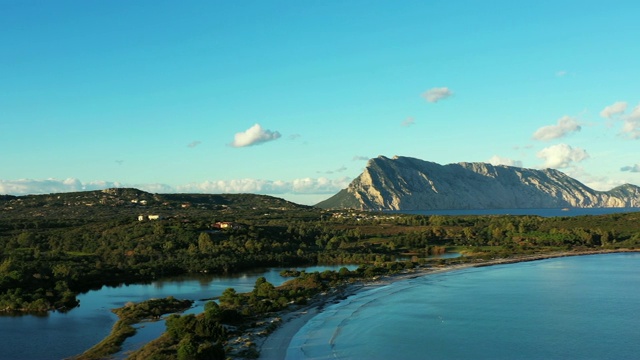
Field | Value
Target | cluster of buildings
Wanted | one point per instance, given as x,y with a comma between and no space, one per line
149,217
220,225
226,225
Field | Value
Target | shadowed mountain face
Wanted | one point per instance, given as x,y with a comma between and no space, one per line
404,183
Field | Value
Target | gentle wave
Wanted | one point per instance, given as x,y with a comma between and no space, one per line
576,307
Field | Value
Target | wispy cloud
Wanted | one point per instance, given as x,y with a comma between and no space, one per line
408,122
436,94
253,136
565,126
31,186
596,182
617,108
561,156
526,146
499,160
561,73
194,143
360,158
633,168
630,122
321,185
631,125
341,169
294,136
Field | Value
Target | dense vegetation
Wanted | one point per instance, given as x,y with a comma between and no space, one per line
53,247
203,336
129,315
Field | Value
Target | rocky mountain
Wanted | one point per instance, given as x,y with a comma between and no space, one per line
403,183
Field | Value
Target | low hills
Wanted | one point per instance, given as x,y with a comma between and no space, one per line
404,183
130,201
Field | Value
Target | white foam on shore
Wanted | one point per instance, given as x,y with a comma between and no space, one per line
294,339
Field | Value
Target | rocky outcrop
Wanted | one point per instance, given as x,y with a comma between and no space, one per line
404,183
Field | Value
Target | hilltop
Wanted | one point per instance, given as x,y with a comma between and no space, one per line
404,183
130,201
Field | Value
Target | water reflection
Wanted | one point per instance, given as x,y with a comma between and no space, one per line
59,335
213,285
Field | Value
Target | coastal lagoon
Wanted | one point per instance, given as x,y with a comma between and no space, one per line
57,335
581,307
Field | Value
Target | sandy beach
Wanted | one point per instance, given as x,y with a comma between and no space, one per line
276,344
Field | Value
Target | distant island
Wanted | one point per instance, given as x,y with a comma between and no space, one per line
404,183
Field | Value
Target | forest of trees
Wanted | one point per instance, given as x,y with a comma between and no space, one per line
44,263
53,248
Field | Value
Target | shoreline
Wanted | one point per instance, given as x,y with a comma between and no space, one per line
275,345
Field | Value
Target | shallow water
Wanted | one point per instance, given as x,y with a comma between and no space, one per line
577,307
60,335
531,211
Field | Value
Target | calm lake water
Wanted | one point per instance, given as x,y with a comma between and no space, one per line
60,335
581,307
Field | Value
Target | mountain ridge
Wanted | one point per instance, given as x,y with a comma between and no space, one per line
405,183
134,201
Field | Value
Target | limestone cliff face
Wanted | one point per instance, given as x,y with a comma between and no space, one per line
403,183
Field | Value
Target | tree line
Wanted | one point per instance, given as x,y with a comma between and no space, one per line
44,264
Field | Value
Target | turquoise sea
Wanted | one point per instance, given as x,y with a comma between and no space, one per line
531,211
583,307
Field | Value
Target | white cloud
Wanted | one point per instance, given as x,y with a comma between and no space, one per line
565,126
253,136
155,188
360,158
633,168
630,122
319,185
599,183
194,143
30,186
561,73
614,109
561,156
408,122
499,160
228,186
436,94
631,125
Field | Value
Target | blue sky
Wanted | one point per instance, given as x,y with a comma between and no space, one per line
289,98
